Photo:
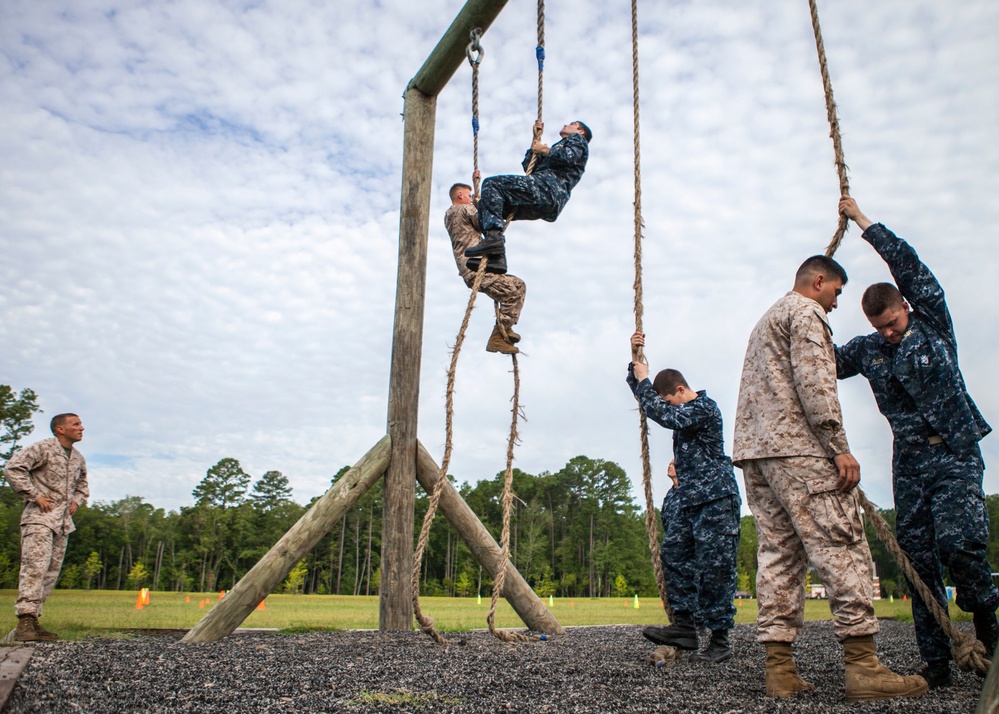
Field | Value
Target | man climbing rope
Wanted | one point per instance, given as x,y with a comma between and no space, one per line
542,194
937,467
509,291
800,486
703,537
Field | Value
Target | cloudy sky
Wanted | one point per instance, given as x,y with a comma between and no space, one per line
199,209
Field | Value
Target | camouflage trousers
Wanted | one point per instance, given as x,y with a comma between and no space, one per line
507,290
42,551
802,518
698,556
526,197
942,521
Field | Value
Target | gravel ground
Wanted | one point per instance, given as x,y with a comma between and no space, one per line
593,669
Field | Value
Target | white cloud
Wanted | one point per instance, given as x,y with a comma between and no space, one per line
199,214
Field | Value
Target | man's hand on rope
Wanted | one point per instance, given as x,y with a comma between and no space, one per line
640,367
536,146
849,471
849,208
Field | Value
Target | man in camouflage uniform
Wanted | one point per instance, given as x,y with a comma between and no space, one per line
800,481
542,194
508,291
937,467
51,477
701,543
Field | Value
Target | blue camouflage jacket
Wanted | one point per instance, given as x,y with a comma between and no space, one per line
703,471
561,169
917,383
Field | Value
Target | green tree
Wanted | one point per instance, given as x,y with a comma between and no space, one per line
137,577
621,586
16,412
224,485
69,578
91,569
746,563
464,585
271,491
296,578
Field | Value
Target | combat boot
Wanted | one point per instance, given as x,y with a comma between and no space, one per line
498,344
782,678
495,264
492,243
987,630
867,678
681,634
717,650
25,631
936,673
44,634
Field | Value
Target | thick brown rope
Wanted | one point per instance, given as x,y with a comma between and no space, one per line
507,500
651,520
426,622
968,652
831,115
475,53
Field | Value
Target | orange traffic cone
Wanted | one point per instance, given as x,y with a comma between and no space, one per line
138,602
261,605
221,594
201,604
187,598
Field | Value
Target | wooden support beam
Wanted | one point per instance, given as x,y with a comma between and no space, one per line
485,549
274,567
395,609
449,53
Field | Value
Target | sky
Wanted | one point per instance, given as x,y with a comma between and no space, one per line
199,212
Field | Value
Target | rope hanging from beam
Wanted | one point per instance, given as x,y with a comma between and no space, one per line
651,520
969,652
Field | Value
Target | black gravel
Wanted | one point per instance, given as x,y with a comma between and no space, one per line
594,669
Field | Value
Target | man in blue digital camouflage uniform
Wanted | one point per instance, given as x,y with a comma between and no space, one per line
707,528
911,364
540,195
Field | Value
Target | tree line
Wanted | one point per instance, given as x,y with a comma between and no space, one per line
575,532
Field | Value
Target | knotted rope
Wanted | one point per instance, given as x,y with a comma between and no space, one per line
968,652
639,356
831,115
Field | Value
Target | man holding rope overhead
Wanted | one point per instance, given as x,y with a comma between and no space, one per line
937,467
800,485
542,193
508,291
703,537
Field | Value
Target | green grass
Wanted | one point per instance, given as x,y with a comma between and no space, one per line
80,613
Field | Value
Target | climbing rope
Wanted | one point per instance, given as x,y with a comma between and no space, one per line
639,356
474,52
831,115
968,652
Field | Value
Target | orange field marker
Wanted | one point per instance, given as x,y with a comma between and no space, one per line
138,602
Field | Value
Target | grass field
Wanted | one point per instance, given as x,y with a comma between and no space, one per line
81,613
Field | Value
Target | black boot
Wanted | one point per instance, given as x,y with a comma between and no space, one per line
492,243
496,264
936,673
681,634
716,651
987,630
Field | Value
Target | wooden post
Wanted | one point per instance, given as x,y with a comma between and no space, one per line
274,567
395,609
988,703
485,549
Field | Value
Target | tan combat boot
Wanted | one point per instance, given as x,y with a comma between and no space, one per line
25,631
867,678
781,674
498,344
44,634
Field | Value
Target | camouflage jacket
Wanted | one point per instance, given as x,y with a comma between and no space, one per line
462,224
42,469
917,383
788,403
703,471
560,170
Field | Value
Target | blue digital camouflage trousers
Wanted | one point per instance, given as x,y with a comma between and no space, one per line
528,198
699,560
941,521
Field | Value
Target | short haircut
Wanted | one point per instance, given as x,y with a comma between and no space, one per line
880,297
59,420
587,134
667,381
453,192
820,264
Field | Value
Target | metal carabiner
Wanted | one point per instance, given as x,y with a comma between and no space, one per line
474,51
